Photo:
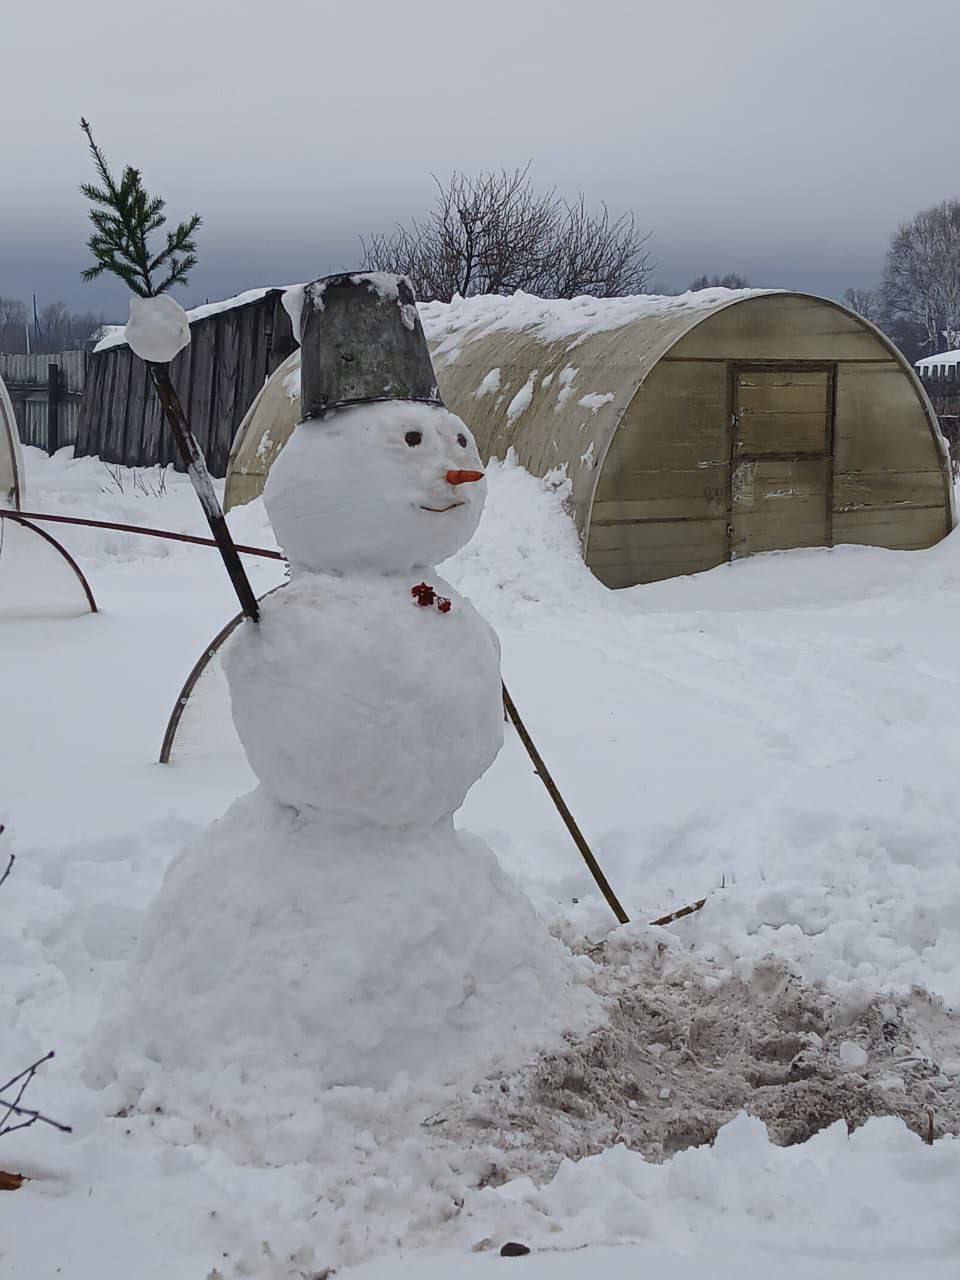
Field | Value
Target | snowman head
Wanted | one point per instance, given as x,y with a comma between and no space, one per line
379,487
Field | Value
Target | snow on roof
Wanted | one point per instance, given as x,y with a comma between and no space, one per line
948,358
113,334
465,319
448,324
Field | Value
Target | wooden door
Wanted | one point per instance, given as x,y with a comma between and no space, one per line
781,472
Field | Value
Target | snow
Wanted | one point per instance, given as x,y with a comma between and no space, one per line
566,378
292,301
521,401
333,923
783,726
931,364
316,732
448,326
489,384
157,329
570,320
384,284
115,336
853,1056
595,400
284,948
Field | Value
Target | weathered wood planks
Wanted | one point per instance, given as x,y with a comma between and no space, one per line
217,376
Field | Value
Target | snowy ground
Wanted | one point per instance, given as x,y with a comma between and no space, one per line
784,727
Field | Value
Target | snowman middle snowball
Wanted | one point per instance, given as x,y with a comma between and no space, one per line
350,698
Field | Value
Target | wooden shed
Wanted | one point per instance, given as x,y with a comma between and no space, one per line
694,429
33,382
234,346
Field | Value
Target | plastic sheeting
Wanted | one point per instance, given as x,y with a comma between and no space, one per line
11,465
38,579
201,723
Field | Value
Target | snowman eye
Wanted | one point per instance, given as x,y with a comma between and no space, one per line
462,440
413,438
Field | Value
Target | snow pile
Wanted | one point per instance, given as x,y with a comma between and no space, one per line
779,733
332,958
448,325
158,497
746,1194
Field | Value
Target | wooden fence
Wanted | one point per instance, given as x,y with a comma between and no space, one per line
47,392
231,353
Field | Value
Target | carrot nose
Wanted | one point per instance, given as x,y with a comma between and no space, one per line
463,477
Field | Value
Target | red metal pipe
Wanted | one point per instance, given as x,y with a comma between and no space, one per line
169,534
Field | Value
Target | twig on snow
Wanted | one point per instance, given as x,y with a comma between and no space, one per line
26,1116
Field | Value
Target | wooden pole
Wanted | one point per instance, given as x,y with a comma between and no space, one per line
543,773
53,408
200,478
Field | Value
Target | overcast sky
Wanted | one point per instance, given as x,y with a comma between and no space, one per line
784,141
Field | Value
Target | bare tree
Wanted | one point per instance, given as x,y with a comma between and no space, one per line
56,327
730,281
592,255
13,325
495,234
867,303
60,329
921,284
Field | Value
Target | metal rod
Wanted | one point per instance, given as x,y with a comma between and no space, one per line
554,792
170,534
200,478
540,767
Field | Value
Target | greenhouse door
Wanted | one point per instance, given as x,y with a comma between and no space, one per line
781,467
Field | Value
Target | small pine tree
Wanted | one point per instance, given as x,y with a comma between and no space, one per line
125,215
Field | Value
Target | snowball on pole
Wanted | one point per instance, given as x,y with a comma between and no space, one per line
158,328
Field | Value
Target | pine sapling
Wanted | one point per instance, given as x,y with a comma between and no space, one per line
125,217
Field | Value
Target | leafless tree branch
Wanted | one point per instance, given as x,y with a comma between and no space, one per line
13,1116
922,280
25,1116
495,234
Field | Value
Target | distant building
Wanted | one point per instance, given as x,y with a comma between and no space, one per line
940,370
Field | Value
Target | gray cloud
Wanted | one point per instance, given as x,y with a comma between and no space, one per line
779,140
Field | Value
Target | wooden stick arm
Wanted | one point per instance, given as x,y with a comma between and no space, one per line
196,465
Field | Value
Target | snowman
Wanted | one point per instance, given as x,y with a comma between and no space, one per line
335,920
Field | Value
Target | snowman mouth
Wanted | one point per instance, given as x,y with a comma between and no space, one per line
440,510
